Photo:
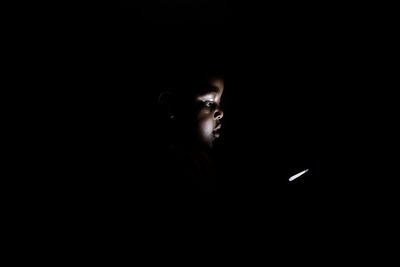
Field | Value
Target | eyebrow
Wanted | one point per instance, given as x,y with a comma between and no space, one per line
209,89
213,89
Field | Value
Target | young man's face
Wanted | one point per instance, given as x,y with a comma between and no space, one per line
209,113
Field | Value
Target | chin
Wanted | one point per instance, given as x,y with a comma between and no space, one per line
207,144
211,143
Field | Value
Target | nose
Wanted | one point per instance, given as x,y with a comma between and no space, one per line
218,114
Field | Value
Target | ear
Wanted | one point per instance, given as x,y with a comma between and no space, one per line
165,102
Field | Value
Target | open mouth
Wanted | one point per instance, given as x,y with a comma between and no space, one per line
216,131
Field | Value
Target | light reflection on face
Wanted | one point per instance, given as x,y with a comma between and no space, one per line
209,113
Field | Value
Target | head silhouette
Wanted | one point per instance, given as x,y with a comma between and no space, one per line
192,109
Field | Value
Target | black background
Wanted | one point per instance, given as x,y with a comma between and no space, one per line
289,82
301,91
297,79
291,77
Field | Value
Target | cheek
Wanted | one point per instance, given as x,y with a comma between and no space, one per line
205,123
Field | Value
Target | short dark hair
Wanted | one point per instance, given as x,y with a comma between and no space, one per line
189,83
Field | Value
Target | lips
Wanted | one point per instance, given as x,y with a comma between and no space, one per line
216,131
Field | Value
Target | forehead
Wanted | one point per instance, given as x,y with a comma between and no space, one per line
213,86
217,84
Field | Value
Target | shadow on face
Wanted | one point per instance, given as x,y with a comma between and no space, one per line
209,113
195,112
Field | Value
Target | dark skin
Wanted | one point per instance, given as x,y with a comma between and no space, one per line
194,112
209,114
193,125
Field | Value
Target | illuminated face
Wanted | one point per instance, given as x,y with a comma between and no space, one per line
209,112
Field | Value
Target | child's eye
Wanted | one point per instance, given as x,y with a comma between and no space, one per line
209,103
